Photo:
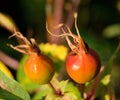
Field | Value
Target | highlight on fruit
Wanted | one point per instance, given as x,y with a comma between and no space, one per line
82,63
38,67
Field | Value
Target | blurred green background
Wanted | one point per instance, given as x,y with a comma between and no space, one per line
98,22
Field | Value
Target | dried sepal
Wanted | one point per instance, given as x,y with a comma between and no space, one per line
28,47
66,32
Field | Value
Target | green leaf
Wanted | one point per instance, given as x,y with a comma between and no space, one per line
52,97
44,90
106,79
69,91
5,95
62,85
72,89
13,87
107,97
112,31
104,51
72,96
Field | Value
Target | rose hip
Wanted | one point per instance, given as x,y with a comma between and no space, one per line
82,63
38,67
83,66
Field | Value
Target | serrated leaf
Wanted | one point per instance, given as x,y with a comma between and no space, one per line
62,85
44,90
13,87
66,87
72,96
51,97
71,88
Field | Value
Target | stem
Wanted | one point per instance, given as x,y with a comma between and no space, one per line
9,61
90,96
74,7
115,53
81,88
52,87
54,18
109,63
56,91
58,11
112,97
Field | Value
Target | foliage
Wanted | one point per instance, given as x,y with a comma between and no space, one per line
100,28
10,89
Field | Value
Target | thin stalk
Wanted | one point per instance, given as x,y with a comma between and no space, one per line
56,91
81,88
90,96
9,61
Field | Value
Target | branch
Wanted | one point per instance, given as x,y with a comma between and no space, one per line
90,96
54,18
9,61
73,8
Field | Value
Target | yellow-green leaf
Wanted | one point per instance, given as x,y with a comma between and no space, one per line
106,79
7,22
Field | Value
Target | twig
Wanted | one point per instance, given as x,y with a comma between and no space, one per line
97,79
11,62
81,88
56,91
90,96
58,11
112,97
54,18
115,53
72,10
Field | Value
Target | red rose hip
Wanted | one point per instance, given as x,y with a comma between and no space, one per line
83,66
82,63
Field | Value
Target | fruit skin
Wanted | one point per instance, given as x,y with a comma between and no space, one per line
39,68
4,69
83,67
